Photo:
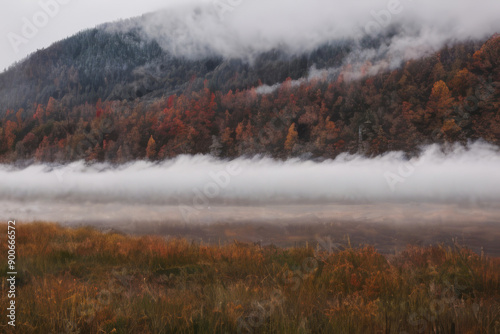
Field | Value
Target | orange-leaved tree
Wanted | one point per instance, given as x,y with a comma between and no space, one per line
291,138
151,149
439,105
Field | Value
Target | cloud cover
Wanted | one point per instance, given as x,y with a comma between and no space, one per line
242,28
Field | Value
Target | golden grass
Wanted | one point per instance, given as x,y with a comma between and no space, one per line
84,281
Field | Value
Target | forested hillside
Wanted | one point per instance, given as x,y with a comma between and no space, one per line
97,64
115,97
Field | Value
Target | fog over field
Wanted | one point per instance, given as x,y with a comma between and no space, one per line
460,175
198,185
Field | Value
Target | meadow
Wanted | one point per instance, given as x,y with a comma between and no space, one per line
82,280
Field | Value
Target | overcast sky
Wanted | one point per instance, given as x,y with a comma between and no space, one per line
73,16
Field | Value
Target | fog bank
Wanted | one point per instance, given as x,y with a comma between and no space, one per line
470,176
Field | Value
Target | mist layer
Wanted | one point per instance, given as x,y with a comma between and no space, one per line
461,175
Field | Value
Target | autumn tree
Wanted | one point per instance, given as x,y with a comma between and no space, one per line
462,81
450,129
291,138
51,107
39,114
30,142
151,149
486,59
44,152
226,137
95,154
439,105
20,117
98,109
9,134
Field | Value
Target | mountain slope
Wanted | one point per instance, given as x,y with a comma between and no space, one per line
98,64
115,95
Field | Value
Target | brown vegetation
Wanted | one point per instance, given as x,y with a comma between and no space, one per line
85,281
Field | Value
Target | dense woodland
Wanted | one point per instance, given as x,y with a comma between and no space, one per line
451,96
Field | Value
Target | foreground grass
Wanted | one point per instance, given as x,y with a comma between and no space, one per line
85,281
